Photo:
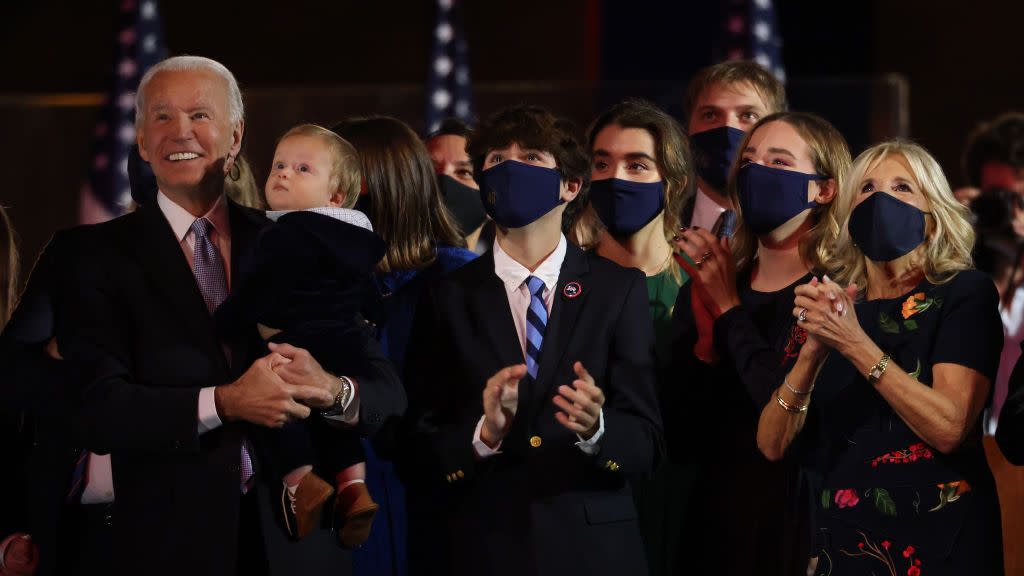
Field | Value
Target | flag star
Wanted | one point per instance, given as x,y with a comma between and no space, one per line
127,36
124,167
441,99
126,134
462,109
127,5
126,68
780,73
445,5
126,101
762,31
462,76
762,59
434,126
443,66
148,10
763,4
126,198
149,43
736,54
444,32
100,162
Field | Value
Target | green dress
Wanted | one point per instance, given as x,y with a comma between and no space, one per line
662,498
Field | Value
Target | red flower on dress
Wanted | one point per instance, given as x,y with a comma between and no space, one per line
886,544
909,551
847,498
913,571
797,337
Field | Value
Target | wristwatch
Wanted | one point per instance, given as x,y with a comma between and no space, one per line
341,399
878,369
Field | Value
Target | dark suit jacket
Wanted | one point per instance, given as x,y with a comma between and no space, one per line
542,506
38,405
1010,432
145,345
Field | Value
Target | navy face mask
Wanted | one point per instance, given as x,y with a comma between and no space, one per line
463,202
885,228
624,206
714,151
516,194
770,197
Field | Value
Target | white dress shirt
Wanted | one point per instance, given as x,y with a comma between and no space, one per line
705,211
513,275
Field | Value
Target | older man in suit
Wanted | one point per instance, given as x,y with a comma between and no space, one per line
177,404
531,378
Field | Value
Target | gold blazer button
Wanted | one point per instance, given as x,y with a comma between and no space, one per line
535,441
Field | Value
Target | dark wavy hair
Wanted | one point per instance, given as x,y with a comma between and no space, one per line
405,204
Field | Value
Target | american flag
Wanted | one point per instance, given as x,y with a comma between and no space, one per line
752,33
449,92
140,44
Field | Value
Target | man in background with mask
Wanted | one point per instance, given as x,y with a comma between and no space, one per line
532,384
447,149
723,102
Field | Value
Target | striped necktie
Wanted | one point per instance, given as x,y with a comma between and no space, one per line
208,267
536,322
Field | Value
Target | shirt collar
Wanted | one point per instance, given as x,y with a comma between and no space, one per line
705,211
181,220
513,274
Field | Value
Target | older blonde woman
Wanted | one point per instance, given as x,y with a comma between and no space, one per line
897,382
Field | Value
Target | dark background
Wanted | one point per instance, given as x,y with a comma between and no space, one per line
928,70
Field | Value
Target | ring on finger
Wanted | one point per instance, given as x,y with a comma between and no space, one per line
802,317
703,258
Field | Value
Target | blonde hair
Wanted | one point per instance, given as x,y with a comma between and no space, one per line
831,158
737,73
949,237
8,268
346,176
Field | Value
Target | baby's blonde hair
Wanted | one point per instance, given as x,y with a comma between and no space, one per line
346,177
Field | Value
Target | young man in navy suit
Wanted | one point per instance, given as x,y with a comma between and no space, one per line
531,376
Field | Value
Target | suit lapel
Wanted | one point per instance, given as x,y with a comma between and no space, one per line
160,257
491,312
565,311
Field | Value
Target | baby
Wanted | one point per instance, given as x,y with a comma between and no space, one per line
304,284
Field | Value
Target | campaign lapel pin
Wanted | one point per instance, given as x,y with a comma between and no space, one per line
572,290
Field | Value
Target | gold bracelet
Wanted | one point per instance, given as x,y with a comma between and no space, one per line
789,407
785,380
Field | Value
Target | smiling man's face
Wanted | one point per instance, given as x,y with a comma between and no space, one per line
186,133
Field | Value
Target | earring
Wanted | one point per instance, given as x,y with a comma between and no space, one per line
235,172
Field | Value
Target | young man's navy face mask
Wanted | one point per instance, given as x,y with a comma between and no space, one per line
517,194
885,228
625,206
714,151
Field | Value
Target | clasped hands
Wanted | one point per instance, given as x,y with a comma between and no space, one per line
825,310
281,386
579,404
713,280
